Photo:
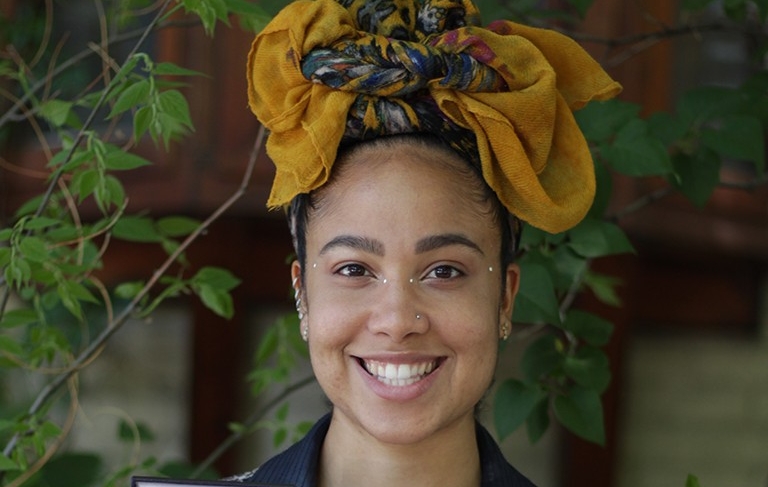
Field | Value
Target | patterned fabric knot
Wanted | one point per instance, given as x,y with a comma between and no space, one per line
388,67
323,72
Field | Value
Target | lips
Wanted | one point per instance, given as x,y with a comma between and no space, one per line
401,374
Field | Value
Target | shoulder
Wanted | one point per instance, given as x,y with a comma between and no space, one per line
496,470
295,466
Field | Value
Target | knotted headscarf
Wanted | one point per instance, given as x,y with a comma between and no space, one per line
324,71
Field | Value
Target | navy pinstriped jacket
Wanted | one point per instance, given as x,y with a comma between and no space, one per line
297,466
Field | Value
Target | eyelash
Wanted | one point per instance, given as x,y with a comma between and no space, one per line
354,270
454,272
347,271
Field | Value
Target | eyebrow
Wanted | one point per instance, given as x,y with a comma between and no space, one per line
365,244
434,242
376,247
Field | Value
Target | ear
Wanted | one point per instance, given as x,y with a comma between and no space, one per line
296,276
510,291
298,289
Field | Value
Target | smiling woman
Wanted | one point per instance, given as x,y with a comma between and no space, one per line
409,144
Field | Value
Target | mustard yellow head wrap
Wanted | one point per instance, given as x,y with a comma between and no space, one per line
323,71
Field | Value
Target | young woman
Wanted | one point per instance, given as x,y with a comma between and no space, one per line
405,138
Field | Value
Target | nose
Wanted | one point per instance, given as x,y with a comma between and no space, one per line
397,312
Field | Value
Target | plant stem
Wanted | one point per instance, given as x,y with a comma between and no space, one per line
111,328
252,419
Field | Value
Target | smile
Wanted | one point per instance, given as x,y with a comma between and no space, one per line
399,374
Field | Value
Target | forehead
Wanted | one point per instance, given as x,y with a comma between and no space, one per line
404,189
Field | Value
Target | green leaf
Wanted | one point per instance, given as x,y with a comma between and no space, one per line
604,287
71,293
135,95
115,191
581,6
217,300
597,238
34,249
177,226
538,421
599,121
635,152
142,121
209,11
70,469
136,229
589,367
251,16
282,412
541,359
173,104
217,278
129,290
697,175
5,256
692,481
56,111
267,345
279,437
127,431
18,317
513,403
737,137
6,464
117,159
588,327
171,69
40,222
667,128
582,412
84,183
536,300
704,103
10,345
603,191
17,272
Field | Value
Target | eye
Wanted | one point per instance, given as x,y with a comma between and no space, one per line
353,270
444,272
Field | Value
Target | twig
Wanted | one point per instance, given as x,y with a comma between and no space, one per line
252,419
45,394
12,113
641,203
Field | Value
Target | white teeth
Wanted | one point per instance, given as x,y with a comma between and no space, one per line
398,374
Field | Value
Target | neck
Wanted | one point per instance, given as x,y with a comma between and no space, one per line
448,458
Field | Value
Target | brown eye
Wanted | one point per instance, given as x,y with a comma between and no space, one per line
444,272
353,270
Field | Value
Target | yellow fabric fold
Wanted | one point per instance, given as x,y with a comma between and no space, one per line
532,153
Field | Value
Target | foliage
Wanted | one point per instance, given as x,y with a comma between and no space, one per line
52,248
50,254
565,371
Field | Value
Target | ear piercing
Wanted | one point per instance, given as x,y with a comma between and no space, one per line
418,317
305,333
297,297
506,328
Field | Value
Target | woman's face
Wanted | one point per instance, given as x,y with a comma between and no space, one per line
403,294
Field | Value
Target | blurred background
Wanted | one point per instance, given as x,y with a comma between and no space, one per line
689,355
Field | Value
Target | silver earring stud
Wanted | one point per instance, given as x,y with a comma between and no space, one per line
305,333
418,317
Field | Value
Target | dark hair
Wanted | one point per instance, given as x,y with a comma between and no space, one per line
509,225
